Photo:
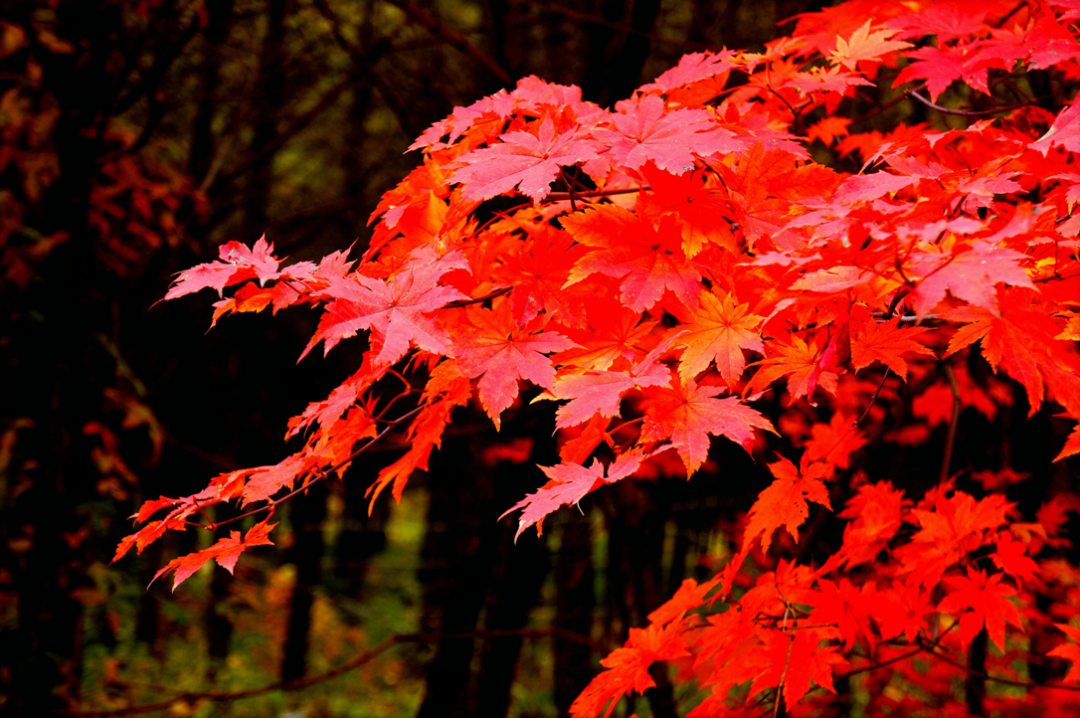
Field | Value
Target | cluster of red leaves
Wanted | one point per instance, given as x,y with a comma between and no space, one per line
678,257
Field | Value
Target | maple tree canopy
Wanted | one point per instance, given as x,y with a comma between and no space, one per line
690,266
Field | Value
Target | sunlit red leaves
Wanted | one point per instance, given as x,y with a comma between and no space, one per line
783,504
526,159
398,312
687,414
226,552
885,342
644,131
971,276
237,264
981,600
1069,651
950,527
628,669
865,45
874,515
641,294
647,258
495,349
717,332
803,363
599,392
1021,341
569,483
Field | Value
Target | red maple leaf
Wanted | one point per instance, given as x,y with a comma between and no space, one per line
971,276
885,342
226,552
499,351
783,503
804,365
981,600
1069,651
686,414
526,159
864,45
649,259
718,331
672,140
599,392
569,484
398,311
238,263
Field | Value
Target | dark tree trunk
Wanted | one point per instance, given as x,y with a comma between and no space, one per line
975,686
595,80
457,558
575,602
626,75
272,96
520,572
201,153
308,513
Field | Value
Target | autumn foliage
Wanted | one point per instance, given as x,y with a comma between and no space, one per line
727,255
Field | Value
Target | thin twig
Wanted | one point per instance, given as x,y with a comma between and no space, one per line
478,300
358,661
932,650
320,474
563,196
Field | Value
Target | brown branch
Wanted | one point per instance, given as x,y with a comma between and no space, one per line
932,650
319,474
563,196
478,300
307,681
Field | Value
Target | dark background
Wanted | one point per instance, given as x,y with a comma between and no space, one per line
138,137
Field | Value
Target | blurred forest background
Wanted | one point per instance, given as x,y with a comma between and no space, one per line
135,138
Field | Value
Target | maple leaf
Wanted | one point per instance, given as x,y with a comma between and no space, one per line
686,414
849,608
885,342
701,209
1069,651
398,312
569,484
835,442
226,552
801,362
875,518
1021,341
1010,557
693,67
718,331
645,131
983,600
783,502
524,159
1072,445
627,668
611,336
864,45
940,67
971,276
828,129
648,259
600,391
238,263
500,352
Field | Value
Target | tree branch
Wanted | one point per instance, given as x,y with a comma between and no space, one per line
359,660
